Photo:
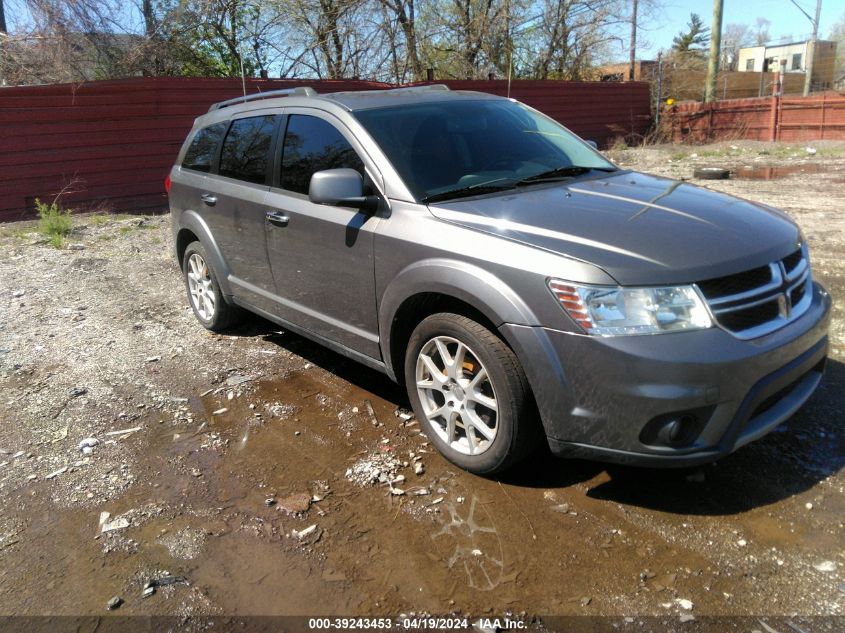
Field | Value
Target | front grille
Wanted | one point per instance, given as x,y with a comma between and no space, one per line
735,284
758,301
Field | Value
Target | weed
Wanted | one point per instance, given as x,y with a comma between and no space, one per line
54,222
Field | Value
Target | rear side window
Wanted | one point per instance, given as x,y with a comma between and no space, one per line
312,144
200,154
246,149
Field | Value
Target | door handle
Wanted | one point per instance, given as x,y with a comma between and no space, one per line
209,199
276,218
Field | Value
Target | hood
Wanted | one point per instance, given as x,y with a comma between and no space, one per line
640,229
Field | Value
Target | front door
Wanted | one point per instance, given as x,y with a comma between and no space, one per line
321,256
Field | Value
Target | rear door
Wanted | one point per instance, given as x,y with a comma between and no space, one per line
234,203
322,256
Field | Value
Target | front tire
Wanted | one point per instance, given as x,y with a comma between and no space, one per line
204,295
470,394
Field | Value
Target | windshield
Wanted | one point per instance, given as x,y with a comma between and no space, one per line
475,146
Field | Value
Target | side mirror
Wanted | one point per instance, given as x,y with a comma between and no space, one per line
340,187
592,144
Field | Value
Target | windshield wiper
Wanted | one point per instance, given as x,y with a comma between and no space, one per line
471,190
562,172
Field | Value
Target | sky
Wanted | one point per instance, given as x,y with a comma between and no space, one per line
659,29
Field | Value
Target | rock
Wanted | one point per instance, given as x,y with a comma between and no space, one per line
196,472
269,501
148,590
298,502
17,294
114,603
117,524
87,445
586,600
419,469
153,359
687,617
219,411
76,247
396,491
841,588
808,505
742,542
167,580
78,391
685,604
810,150
234,381
826,566
563,508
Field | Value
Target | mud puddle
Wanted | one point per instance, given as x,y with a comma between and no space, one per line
227,495
777,172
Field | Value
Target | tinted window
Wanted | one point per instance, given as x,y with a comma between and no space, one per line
200,154
312,144
246,149
440,147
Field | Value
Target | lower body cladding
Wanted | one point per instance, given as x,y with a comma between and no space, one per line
675,400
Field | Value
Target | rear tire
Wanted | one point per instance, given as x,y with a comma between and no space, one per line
470,394
204,295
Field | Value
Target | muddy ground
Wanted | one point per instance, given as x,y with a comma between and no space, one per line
216,454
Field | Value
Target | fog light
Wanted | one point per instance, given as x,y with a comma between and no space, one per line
677,429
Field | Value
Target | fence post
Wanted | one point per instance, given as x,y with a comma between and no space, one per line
773,120
821,125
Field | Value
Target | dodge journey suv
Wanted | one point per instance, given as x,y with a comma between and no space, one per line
520,285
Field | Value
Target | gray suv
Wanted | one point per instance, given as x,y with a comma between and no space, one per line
519,284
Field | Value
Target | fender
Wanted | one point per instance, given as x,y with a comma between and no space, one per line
479,288
192,221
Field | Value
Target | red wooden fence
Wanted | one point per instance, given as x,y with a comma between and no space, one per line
788,118
112,142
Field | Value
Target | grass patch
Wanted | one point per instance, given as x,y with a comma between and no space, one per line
53,222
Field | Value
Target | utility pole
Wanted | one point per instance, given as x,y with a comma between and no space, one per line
3,30
811,51
633,40
715,46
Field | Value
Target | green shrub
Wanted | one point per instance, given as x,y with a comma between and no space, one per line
54,222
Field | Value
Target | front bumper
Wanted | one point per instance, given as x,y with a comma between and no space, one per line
604,398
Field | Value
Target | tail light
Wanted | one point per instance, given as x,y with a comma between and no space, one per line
167,183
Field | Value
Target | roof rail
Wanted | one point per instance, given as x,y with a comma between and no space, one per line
424,88
302,91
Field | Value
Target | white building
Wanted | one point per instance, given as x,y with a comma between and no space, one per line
768,59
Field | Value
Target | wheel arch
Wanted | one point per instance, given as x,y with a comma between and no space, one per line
441,285
194,229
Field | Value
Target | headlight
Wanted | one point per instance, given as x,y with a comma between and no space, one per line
615,311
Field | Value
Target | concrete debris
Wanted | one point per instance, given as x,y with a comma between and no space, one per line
419,469
269,501
403,414
397,492
134,429
219,411
826,566
301,534
377,467
372,413
108,526
295,503
685,604
148,591
57,472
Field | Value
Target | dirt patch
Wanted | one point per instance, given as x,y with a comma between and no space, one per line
206,441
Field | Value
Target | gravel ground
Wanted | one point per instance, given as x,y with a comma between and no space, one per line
216,454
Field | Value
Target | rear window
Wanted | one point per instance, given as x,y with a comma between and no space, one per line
312,145
246,149
200,154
